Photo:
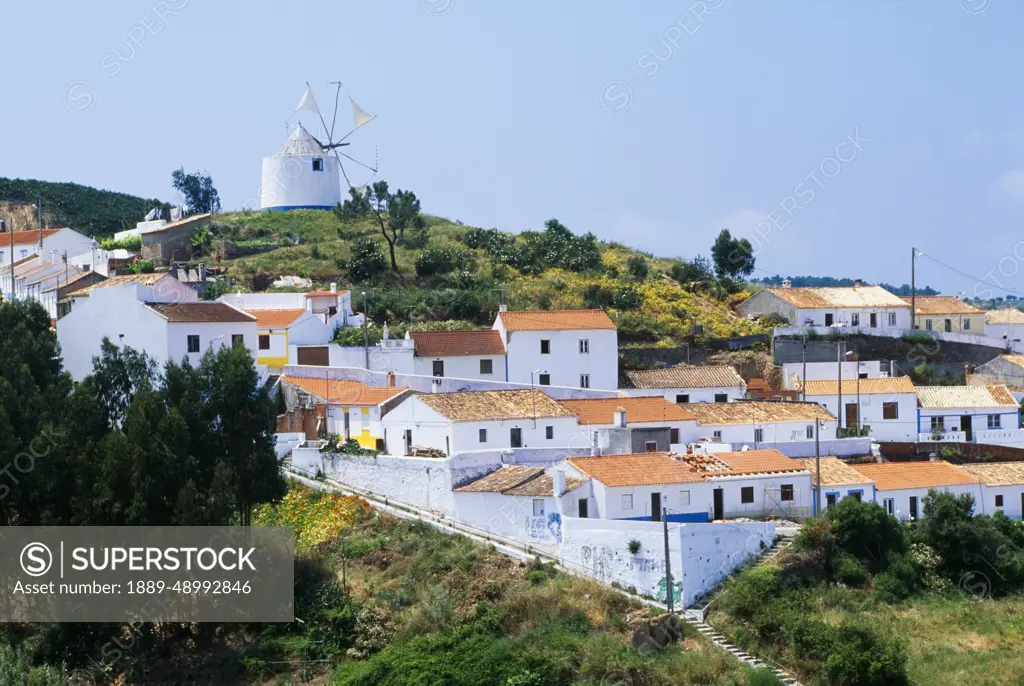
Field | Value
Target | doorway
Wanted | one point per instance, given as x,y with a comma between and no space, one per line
851,415
655,507
719,501
967,427
913,507
581,508
407,439
348,431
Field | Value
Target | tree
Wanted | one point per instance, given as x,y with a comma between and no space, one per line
733,257
395,214
638,267
200,195
367,261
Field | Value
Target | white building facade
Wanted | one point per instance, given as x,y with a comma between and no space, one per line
863,308
686,384
885,407
460,354
978,414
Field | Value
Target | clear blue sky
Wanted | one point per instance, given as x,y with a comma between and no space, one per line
497,114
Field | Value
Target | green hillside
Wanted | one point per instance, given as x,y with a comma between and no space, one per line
91,211
454,273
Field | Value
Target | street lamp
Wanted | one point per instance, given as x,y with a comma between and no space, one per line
214,339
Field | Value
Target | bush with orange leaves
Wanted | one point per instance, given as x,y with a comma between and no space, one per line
316,516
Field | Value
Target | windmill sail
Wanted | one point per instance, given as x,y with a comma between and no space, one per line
308,102
359,115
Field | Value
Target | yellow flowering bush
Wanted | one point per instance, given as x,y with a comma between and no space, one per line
316,516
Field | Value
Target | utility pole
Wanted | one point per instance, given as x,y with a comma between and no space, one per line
12,261
366,334
839,388
668,564
913,289
858,396
817,468
803,379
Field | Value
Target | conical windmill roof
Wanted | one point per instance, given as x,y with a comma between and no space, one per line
300,142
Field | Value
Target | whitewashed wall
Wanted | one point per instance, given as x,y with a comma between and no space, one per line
696,395
901,497
714,551
903,428
462,367
565,363
212,335
827,371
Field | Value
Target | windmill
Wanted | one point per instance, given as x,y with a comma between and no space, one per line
360,118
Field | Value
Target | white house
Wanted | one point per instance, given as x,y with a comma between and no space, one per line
35,275
1004,487
460,354
761,424
858,307
454,423
149,313
56,242
901,487
529,502
686,384
692,488
838,480
573,348
978,414
1005,369
332,307
1007,324
947,313
632,425
793,372
887,406
350,409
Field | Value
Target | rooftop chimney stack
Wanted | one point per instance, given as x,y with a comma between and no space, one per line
390,382
786,283
558,482
334,287
620,417
857,283
502,308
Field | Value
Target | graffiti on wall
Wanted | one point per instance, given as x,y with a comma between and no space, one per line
644,564
554,526
545,528
677,592
598,559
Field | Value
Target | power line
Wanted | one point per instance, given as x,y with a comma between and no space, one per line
950,267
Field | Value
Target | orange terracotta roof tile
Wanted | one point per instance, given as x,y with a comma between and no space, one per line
767,461
26,237
342,392
941,304
955,397
470,406
640,469
851,296
898,384
324,294
275,319
710,376
760,412
452,343
639,410
834,472
199,312
142,279
997,473
517,480
890,476
1014,359
544,485
555,320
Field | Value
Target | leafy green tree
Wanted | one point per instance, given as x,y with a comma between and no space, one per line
865,531
367,261
395,214
638,267
198,191
733,257
691,273
441,260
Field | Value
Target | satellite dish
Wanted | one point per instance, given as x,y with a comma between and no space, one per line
360,118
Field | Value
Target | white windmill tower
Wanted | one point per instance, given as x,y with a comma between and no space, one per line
306,173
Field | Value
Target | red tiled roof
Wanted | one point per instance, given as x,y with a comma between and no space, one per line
638,410
450,343
640,469
275,319
896,475
896,384
199,312
683,376
555,320
341,392
25,237
324,294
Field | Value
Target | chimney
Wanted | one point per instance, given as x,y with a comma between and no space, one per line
857,283
594,449
390,380
435,385
334,287
502,308
967,373
786,283
620,417
558,482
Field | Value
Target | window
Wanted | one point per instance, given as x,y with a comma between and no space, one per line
948,325
673,435
318,164
786,492
856,495
828,319
999,501
264,341
237,340
544,379
516,437
874,319
967,324
584,380
717,434
545,346
810,431
650,446
747,495
627,501
486,366
584,346
684,497
890,506
483,435
892,319
938,424
928,324
682,398
890,411
721,397
995,421
538,507
549,432
193,343
855,319
759,435
830,499
438,367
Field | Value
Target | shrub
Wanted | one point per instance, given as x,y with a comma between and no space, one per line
865,531
441,260
141,267
367,261
849,571
638,267
900,580
634,547
865,658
